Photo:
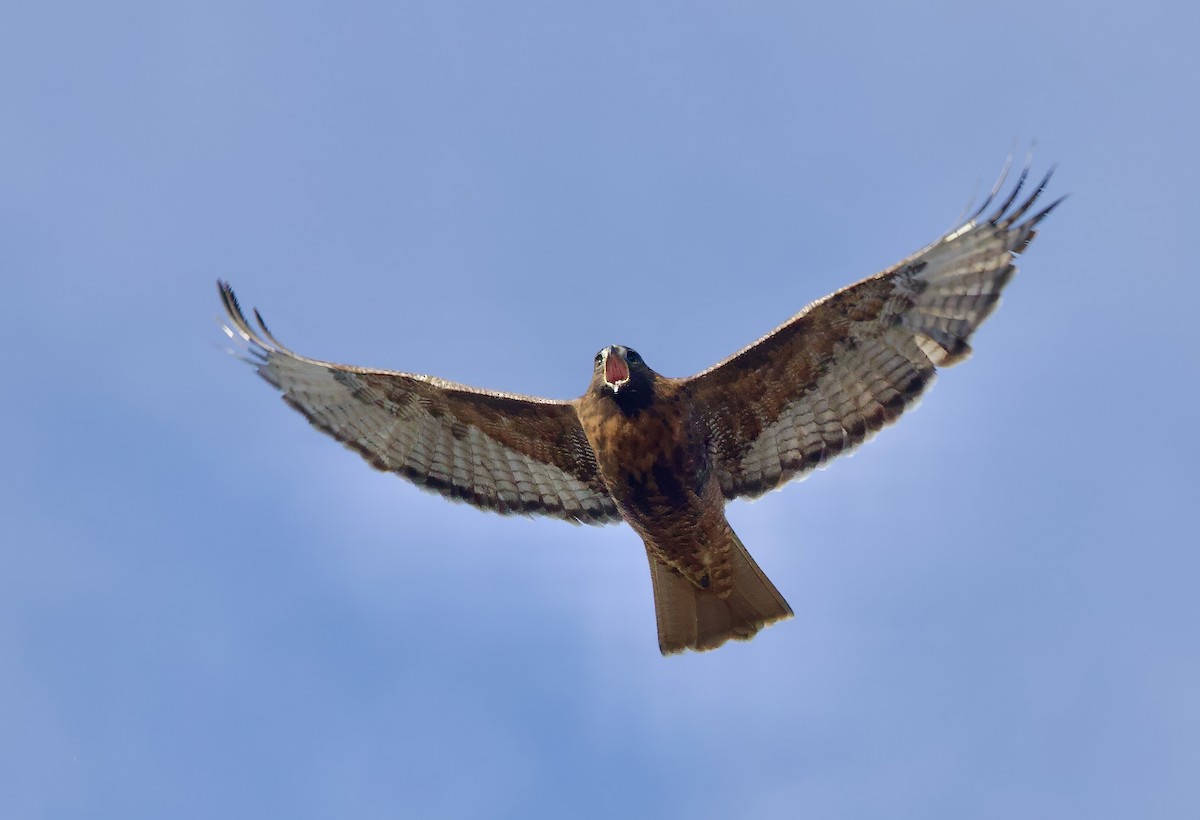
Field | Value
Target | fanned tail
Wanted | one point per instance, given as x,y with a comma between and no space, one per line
690,617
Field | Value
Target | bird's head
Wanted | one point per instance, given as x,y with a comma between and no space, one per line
622,374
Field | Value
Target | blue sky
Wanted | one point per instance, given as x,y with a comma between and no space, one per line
209,610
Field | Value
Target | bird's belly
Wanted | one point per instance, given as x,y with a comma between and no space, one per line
657,468
690,535
652,465
658,472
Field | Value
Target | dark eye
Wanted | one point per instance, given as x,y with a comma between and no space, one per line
632,356
598,358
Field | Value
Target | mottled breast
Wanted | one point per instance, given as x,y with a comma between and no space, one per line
653,459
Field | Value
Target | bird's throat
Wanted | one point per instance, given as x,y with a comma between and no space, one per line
616,371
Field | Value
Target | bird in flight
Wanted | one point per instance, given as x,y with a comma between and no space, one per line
666,454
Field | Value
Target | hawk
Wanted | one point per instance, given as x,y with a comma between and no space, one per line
666,454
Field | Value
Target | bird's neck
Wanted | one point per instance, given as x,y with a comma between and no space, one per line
634,397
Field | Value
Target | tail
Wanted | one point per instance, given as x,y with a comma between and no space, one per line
690,617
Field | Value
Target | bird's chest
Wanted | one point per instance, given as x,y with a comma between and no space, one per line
654,461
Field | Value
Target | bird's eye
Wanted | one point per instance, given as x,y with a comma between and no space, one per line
632,356
599,356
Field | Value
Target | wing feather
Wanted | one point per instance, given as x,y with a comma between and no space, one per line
849,364
496,451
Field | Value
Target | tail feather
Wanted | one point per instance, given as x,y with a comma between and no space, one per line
690,617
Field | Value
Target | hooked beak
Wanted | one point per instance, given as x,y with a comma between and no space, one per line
616,369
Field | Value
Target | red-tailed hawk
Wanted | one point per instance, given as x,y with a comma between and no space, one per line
666,454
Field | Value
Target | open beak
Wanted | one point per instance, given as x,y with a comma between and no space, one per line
616,369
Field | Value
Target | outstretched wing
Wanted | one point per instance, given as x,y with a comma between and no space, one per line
511,454
851,363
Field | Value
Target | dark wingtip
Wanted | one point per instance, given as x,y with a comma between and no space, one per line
1012,197
1016,215
991,197
238,317
1045,212
229,299
1001,216
266,331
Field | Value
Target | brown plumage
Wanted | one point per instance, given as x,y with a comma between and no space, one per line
652,449
665,454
